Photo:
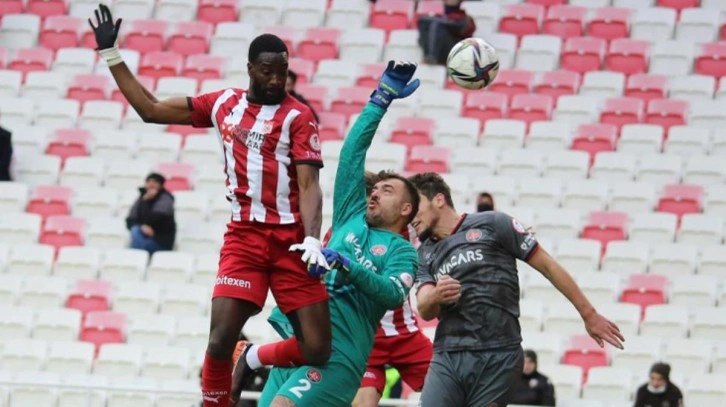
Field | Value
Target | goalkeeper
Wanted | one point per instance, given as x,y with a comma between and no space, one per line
372,266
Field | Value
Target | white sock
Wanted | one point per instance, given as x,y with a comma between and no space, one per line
253,358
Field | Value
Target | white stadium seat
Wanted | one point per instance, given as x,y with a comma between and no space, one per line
653,227
626,257
698,25
106,233
503,133
38,169
706,390
13,196
114,145
41,85
201,237
602,84
689,356
57,324
23,355
671,58
205,269
549,135
56,113
336,73
403,45
709,114
693,291
539,192
362,45
506,46
653,24
585,195
95,202
346,14
159,147
709,324
170,266
474,160
686,141
68,358
539,52
43,292
712,261
530,315
670,259
10,82
136,298
692,87
201,149
520,163
73,61
34,389
576,110
16,111
166,363
261,12
15,322
579,254
229,37
121,265
566,379
558,224
19,30
191,332
101,115
170,86
701,229
454,131
82,172
600,287
150,329
19,228
641,351
562,318
547,345
9,289
126,175
611,166
440,103
632,197
715,202
190,206
31,260
707,170
640,139
118,360
659,169
665,320
184,300
569,165
608,383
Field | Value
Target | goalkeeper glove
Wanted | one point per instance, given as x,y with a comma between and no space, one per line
394,83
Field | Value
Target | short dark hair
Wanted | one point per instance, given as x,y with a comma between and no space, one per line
410,189
430,184
532,355
292,75
265,43
155,176
486,195
372,179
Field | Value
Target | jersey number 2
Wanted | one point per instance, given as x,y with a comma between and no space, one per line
298,390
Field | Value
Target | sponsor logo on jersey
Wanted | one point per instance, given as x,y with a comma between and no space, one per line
466,257
473,235
379,250
314,375
315,141
224,280
358,252
369,375
267,126
406,279
518,227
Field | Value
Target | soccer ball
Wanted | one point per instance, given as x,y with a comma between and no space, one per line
472,63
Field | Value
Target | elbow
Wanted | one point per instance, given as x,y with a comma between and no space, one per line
425,313
148,113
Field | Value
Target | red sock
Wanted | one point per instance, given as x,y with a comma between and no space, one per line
284,353
216,381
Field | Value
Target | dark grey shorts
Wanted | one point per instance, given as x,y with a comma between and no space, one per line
471,379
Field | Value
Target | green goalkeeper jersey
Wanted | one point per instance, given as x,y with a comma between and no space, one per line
383,263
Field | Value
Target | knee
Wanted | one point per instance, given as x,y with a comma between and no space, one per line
316,353
221,343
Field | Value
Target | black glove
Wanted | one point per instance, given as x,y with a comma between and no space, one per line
106,31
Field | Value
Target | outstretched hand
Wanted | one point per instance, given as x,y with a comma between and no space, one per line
105,30
395,83
602,330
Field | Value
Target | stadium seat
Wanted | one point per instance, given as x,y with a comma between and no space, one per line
620,111
106,233
529,108
412,131
475,161
178,175
442,103
558,223
230,36
49,200
74,61
166,363
12,7
641,351
666,112
672,259
16,111
576,109
539,193
160,64
13,196
16,322
146,35
566,164
709,323
118,360
666,321
641,139
403,44
705,389
176,10
564,21
600,287
646,87
584,195
202,66
60,231
521,19
350,100
44,85
191,332
189,38
136,298
606,227
10,82
609,23
69,143
694,291
659,170
429,158
549,136
56,113
709,114
602,84
686,141
484,106
201,237
584,352
19,228
690,356
692,88
715,202
583,54
672,58
506,46
362,46
120,265
170,266
90,296
102,327
520,163
503,133
77,263
608,383
57,324
332,126
29,140
632,197
175,87
681,199
69,357
336,73
558,83
184,300
19,30
595,138
30,260
511,82
391,15
318,44
627,56
205,268
531,312
579,254
624,257
42,292
134,10
539,53
719,362
150,329
709,60
700,170
88,87
82,172
200,149
344,14
700,229
567,380
653,227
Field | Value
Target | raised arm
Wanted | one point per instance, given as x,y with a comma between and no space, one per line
151,110
311,199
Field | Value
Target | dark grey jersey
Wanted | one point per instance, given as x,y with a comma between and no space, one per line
481,253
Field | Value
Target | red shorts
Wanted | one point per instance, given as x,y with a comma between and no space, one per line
410,354
255,257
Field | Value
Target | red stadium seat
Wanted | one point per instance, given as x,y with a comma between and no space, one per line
88,87
412,131
606,227
582,54
160,64
513,82
711,60
90,296
31,59
547,3
190,37
319,43
622,111
303,68
60,231
595,138
47,8
678,4
627,56
370,75
350,100
428,9
485,105
218,11
531,107
584,352
331,126
666,112
564,21
69,143
60,32
521,19
102,327
391,15
184,130
50,200
646,87
681,199
645,290
314,94
178,175
286,34
146,35
203,66
3,56
558,83
146,81
429,158
11,7
609,23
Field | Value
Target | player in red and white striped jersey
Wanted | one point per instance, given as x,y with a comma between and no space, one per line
399,342
272,160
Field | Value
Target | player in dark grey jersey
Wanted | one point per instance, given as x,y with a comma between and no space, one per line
468,279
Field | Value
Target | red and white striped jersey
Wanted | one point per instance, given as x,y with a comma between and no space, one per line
261,145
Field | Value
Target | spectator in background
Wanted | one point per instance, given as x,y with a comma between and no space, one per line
533,388
6,154
659,391
151,218
438,34
290,88
484,202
